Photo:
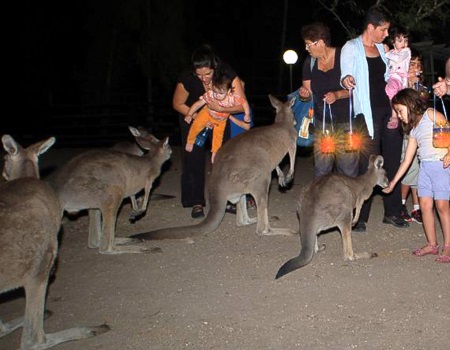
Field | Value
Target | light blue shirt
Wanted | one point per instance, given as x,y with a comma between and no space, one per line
354,63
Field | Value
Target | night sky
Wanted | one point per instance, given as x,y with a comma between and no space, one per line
65,53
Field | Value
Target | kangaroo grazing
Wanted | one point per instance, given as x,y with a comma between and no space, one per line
30,219
329,202
99,180
243,165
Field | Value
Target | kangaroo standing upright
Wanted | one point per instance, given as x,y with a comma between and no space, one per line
244,165
329,202
30,218
99,180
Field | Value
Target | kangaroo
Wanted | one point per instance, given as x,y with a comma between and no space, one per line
99,180
243,165
134,148
30,219
329,202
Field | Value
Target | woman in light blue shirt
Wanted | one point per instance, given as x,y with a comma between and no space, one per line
364,70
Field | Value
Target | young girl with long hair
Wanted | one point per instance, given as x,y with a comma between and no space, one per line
434,173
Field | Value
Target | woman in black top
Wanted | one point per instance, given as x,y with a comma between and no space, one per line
321,78
192,84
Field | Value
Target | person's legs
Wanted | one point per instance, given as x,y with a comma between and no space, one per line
404,210
347,163
391,147
323,163
193,171
372,146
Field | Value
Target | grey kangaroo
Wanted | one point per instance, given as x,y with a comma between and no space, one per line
244,165
30,219
99,180
329,202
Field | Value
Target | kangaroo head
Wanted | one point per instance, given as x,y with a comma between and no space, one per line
23,162
283,110
144,138
376,168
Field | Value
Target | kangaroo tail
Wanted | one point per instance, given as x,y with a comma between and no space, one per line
209,224
303,259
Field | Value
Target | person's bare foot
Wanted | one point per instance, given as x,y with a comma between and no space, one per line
189,147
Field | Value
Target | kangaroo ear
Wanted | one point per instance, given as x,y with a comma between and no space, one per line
275,102
42,146
10,145
379,161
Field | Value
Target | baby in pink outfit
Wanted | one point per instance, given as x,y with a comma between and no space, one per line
399,58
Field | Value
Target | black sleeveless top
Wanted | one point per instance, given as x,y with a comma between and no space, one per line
379,100
323,82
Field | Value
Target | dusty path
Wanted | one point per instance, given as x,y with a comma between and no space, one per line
220,293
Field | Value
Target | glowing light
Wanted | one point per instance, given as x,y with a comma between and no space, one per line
441,137
353,142
327,143
290,57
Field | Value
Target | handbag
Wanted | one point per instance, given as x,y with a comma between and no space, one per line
304,120
441,133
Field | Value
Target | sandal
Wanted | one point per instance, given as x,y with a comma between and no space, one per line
444,258
427,250
197,212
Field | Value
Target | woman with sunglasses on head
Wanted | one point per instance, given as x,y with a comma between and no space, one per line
364,69
321,80
193,83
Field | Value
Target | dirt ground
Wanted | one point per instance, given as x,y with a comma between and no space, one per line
220,293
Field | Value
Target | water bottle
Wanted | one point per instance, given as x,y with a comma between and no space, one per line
201,137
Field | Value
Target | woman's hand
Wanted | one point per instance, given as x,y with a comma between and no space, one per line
214,105
330,97
349,82
446,160
304,93
440,88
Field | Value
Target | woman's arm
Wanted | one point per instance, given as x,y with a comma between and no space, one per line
180,97
240,123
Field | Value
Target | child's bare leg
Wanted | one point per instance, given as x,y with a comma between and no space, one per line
189,147
415,197
443,209
426,205
213,156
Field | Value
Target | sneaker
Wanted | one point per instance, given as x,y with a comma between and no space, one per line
404,214
359,227
416,215
197,212
396,221
231,208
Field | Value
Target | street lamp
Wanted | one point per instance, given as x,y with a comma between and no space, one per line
290,57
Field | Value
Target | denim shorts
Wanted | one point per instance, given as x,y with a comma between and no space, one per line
434,180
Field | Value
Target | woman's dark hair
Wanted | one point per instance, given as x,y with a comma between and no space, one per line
415,107
375,16
316,31
204,57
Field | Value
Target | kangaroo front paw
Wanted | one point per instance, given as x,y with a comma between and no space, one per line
135,215
282,181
